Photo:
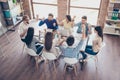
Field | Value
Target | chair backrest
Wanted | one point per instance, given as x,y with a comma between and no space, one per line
70,61
49,56
31,52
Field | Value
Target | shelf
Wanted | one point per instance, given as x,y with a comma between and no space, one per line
114,2
112,11
112,33
113,20
113,27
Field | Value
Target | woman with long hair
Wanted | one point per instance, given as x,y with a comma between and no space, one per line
67,24
50,43
96,43
31,41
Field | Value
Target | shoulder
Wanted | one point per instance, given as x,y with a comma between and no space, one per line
46,20
79,23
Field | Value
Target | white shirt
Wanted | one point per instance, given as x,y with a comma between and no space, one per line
22,27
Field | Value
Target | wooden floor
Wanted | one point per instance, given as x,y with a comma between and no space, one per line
16,66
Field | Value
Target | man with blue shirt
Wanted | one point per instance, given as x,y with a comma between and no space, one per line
70,51
50,22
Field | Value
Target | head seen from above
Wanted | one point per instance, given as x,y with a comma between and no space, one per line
84,19
50,16
70,40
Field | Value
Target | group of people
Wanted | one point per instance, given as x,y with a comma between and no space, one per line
26,32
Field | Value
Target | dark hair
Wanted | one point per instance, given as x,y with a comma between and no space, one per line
50,14
84,17
99,31
29,36
24,17
68,17
70,40
48,40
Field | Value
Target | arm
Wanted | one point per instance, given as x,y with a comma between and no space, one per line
61,42
89,29
78,47
41,22
77,24
59,23
21,31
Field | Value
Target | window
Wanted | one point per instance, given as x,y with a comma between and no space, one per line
86,3
44,7
44,10
89,8
91,14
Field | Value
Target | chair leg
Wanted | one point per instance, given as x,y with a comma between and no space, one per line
96,61
23,48
54,66
64,70
36,61
45,63
75,69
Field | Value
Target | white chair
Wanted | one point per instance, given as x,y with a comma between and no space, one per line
49,57
94,57
32,53
72,62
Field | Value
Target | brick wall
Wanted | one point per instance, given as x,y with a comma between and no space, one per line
103,12
62,8
27,8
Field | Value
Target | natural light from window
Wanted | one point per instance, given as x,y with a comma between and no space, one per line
78,8
44,10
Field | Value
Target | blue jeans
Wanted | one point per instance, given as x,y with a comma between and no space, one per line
90,51
39,49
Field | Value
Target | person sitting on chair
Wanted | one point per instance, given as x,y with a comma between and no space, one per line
50,22
32,42
67,24
71,52
83,24
50,43
23,27
96,43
